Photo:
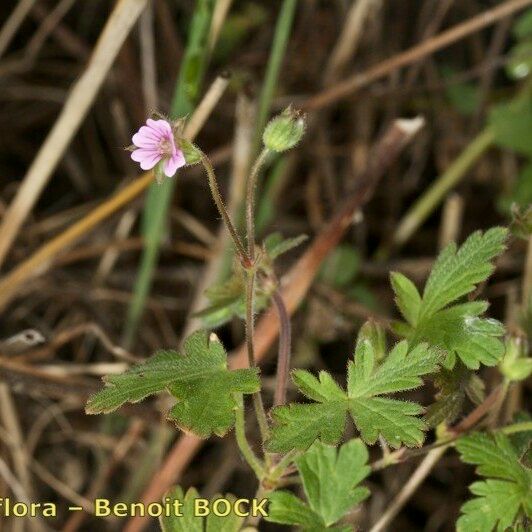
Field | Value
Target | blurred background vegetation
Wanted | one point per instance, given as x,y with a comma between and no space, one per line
82,296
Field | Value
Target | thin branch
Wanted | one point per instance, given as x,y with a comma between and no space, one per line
81,97
12,24
419,475
41,259
283,359
357,81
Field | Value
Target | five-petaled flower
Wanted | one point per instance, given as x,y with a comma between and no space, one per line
155,142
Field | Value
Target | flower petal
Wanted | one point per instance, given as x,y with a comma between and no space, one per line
146,157
173,163
161,126
146,138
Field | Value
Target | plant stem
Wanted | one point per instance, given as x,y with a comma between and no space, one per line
250,202
419,475
250,329
435,194
283,360
277,472
243,444
422,472
250,286
215,191
517,427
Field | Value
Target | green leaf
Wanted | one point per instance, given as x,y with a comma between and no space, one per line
494,455
461,331
523,27
199,380
496,507
373,332
393,419
515,365
224,523
341,267
331,481
287,509
188,521
501,498
227,300
457,329
456,272
298,425
407,297
276,246
522,441
512,124
453,387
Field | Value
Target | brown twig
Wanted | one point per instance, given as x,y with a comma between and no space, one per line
41,259
350,85
119,24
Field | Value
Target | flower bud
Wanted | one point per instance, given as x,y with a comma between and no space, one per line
284,131
515,365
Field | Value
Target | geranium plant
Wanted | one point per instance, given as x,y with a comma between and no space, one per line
445,339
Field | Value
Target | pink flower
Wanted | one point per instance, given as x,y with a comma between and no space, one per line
155,142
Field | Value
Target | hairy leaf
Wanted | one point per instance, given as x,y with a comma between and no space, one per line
453,387
507,492
407,297
456,272
275,245
189,521
199,380
331,481
440,317
298,425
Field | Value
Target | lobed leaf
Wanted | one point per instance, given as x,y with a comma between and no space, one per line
440,318
199,380
189,521
456,272
330,480
298,425
502,498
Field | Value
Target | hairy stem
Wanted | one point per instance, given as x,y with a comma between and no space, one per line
250,328
243,444
250,287
215,191
278,471
250,202
524,426
283,360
